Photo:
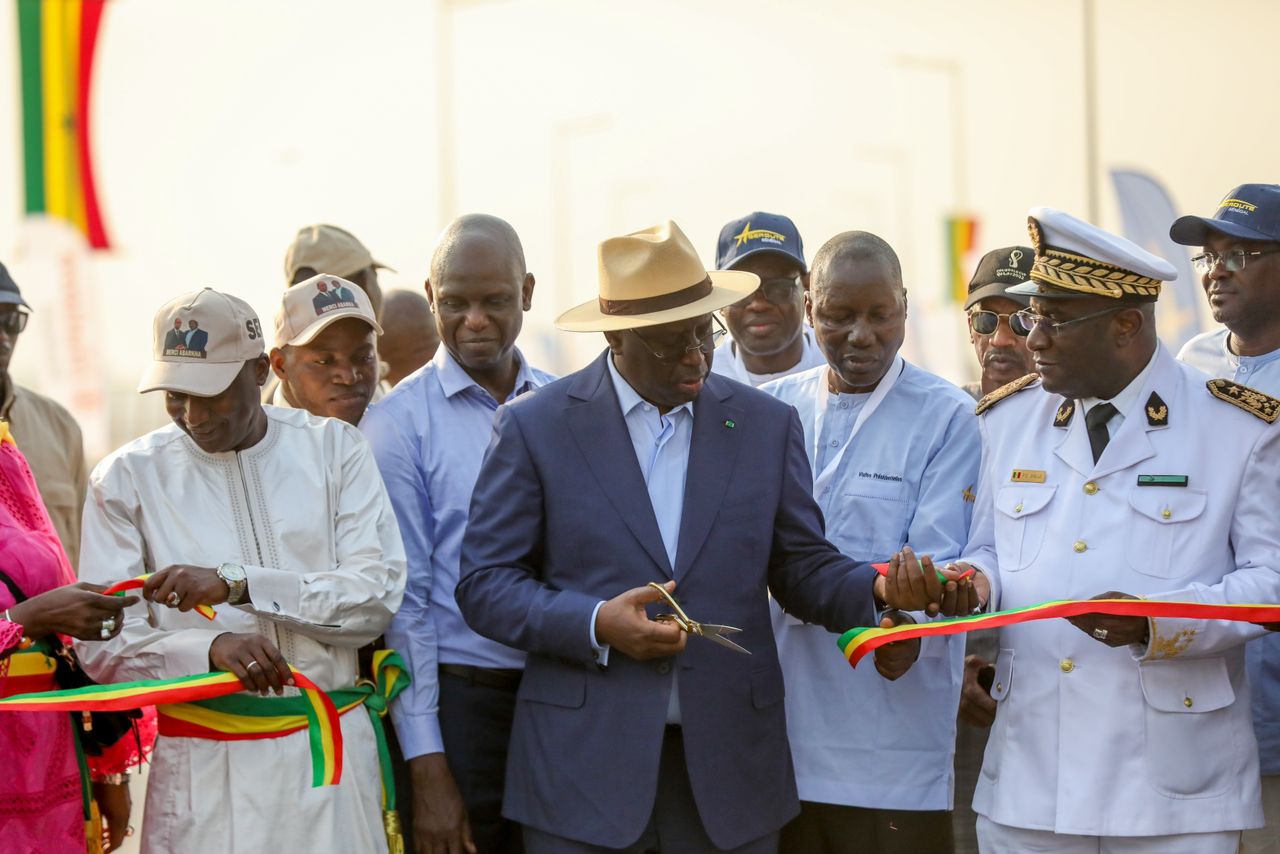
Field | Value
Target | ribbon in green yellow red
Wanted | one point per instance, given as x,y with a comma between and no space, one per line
856,643
135,583
319,710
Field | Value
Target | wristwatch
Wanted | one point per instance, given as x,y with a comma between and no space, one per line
237,582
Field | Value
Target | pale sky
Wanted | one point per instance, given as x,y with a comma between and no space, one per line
219,128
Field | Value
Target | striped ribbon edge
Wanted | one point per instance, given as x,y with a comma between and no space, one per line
325,733
856,643
135,583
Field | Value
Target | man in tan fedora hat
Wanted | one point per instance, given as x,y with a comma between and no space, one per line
601,494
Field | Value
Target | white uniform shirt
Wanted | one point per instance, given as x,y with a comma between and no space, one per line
727,362
858,739
1099,741
305,512
1209,352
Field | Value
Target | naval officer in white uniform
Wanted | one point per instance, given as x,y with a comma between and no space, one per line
1120,469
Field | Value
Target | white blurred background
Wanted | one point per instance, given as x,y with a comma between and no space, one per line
220,128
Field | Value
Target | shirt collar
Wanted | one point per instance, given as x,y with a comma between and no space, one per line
629,398
1128,396
1252,361
453,379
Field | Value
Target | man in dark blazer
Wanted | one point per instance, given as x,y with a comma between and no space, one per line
197,338
644,467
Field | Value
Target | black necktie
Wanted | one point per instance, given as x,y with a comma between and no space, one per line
1096,421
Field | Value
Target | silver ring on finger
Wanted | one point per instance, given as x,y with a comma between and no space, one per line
174,600
251,665
1100,634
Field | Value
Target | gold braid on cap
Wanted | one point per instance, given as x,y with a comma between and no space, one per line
1085,275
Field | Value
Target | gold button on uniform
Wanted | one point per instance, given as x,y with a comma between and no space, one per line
1067,665
1017,507
1187,702
1166,513
1080,546
1091,488
999,686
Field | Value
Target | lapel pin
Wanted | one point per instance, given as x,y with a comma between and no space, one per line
729,424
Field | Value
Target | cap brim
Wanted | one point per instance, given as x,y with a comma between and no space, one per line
10,298
1043,291
309,334
378,265
766,250
201,380
727,287
996,289
1195,230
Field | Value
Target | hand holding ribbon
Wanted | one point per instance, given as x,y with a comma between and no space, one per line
149,584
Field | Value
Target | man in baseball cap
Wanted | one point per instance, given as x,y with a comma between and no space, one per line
281,521
769,337
336,251
326,349
1239,266
998,340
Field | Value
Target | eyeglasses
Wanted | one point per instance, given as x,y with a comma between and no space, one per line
671,352
776,291
1232,262
986,322
13,322
1030,320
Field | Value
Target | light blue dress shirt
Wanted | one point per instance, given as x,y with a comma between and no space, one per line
429,436
1209,353
908,477
661,443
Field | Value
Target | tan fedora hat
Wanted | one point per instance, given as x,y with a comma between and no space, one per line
652,277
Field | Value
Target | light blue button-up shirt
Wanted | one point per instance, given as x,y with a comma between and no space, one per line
661,443
1209,353
908,477
429,436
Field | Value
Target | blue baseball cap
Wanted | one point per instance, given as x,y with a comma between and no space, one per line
1249,212
756,233
9,293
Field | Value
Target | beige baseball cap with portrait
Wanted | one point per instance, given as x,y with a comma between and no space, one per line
310,306
200,341
327,249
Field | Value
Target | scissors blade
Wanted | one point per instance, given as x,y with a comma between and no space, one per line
717,634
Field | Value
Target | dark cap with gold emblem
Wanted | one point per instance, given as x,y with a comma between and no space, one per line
998,272
1076,259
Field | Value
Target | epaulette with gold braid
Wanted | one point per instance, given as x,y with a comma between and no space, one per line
1250,400
1004,391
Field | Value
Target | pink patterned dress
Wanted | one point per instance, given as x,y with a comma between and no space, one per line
41,800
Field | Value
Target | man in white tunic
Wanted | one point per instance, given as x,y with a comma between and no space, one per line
279,519
1120,469
884,476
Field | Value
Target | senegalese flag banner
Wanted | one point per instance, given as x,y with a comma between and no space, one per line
56,39
136,583
315,705
962,238
856,643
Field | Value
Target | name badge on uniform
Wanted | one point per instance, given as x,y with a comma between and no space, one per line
1027,476
1163,480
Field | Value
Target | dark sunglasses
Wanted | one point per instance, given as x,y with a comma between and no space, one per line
776,291
13,322
986,323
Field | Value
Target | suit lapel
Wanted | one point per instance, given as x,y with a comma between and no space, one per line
595,420
1073,449
1131,445
713,454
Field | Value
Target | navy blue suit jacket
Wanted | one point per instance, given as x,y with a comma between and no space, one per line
560,520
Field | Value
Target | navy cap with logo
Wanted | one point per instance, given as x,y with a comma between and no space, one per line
999,270
756,233
9,293
1249,212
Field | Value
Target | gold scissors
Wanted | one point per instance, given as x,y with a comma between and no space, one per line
710,631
